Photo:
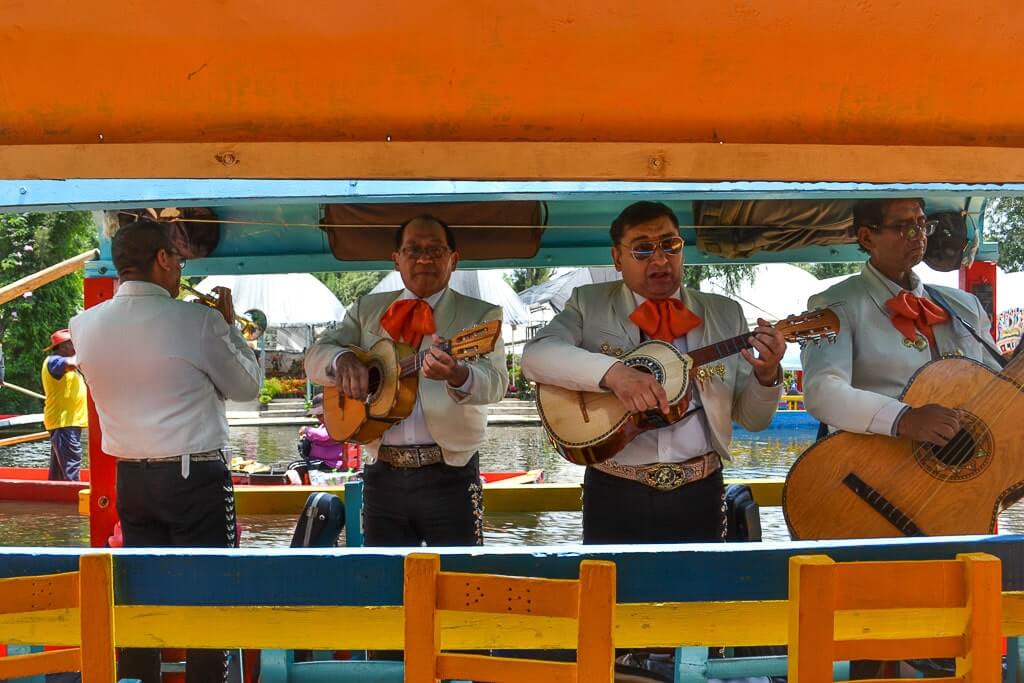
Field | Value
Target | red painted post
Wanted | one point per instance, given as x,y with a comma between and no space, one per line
980,280
103,467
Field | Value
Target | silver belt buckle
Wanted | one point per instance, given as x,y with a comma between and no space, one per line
664,477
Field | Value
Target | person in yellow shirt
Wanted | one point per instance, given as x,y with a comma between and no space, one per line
64,412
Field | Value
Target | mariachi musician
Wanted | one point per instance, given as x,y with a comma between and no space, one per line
666,485
159,370
423,484
892,325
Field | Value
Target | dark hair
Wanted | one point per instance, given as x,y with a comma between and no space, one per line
637,213
449,235
871,213
134,246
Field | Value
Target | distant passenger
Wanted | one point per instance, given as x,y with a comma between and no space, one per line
65,412
316,444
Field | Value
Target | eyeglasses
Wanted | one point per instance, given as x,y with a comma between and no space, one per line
173,252
432,253
670,246
910,230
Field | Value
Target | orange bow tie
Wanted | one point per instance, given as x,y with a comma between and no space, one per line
409,320
911,314
665,319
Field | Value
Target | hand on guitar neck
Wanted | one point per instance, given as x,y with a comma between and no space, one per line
439,365
352,377
930,423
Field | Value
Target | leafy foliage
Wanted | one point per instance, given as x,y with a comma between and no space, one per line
351,285
732,275
824,271
1004,223
523,278
30,242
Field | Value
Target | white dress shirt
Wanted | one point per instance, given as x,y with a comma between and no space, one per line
679,442
884,421
159,370
413,430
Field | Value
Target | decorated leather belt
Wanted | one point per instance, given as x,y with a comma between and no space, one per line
410,456
665,476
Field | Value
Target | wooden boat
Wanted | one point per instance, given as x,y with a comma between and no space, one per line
31,483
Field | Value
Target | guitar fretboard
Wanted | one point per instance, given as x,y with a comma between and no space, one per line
410,365
722,349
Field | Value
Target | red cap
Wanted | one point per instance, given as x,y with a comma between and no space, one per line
59,337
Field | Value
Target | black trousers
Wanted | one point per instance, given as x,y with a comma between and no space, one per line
160,509
617,510
437,505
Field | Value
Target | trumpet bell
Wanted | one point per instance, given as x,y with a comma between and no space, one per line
255,326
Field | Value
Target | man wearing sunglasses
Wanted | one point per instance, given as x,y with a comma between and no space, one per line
623,500
891,326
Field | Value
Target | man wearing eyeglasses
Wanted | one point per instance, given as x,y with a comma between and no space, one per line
423,485
159,370
623,502
891,326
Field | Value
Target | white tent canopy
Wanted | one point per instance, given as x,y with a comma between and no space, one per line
556,291
296,304
487,285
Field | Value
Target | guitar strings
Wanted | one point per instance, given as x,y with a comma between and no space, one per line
988,395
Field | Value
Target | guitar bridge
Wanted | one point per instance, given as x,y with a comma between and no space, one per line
882,506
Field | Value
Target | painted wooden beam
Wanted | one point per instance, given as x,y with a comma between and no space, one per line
288,500
45,276
581,161
660,624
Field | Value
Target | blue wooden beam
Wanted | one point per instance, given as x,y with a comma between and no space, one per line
646,573
65,195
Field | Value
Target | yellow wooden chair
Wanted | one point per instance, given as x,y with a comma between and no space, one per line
90,590
948,608
590,600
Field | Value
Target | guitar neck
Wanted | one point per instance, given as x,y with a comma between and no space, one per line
718,350
410,365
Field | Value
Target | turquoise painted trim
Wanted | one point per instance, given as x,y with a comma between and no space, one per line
366,577
354,514
547,257
65,195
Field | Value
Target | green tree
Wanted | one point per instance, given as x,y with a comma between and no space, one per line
732,275
30,242
1004,223
350,286
524,278
824,271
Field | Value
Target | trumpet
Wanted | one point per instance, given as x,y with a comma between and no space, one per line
253,324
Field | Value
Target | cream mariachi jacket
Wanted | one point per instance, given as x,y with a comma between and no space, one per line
854,383
457,422
578,346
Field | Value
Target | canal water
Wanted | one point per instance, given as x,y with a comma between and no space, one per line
764,455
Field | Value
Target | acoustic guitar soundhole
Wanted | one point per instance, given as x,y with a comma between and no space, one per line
968,454
373,381
648,365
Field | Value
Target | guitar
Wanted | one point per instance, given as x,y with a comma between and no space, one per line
590,427
871,486
393,383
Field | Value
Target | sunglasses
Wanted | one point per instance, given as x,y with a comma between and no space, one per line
670,246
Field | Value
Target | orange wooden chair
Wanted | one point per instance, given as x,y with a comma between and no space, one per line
948,608
90,591
590,600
